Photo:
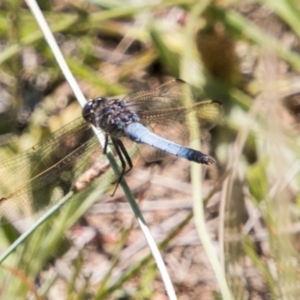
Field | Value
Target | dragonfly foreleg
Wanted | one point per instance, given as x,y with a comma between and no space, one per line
105,144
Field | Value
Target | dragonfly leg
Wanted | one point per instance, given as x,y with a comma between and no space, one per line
122,153
105,144
126,155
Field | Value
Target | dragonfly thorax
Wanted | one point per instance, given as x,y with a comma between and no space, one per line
109,115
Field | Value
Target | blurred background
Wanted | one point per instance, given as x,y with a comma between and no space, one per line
244,54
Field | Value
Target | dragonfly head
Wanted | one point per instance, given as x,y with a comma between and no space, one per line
93,107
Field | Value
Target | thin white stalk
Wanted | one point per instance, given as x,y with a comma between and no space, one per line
81,99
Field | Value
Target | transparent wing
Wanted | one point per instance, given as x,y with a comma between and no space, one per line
38,178
172,100
168,95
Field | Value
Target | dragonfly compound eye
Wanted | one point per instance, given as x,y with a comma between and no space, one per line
87,110
93,106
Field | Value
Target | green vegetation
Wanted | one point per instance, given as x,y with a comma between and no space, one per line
244,54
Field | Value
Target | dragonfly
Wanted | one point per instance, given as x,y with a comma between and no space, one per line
148,124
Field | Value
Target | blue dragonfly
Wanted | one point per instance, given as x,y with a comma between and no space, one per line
150,124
